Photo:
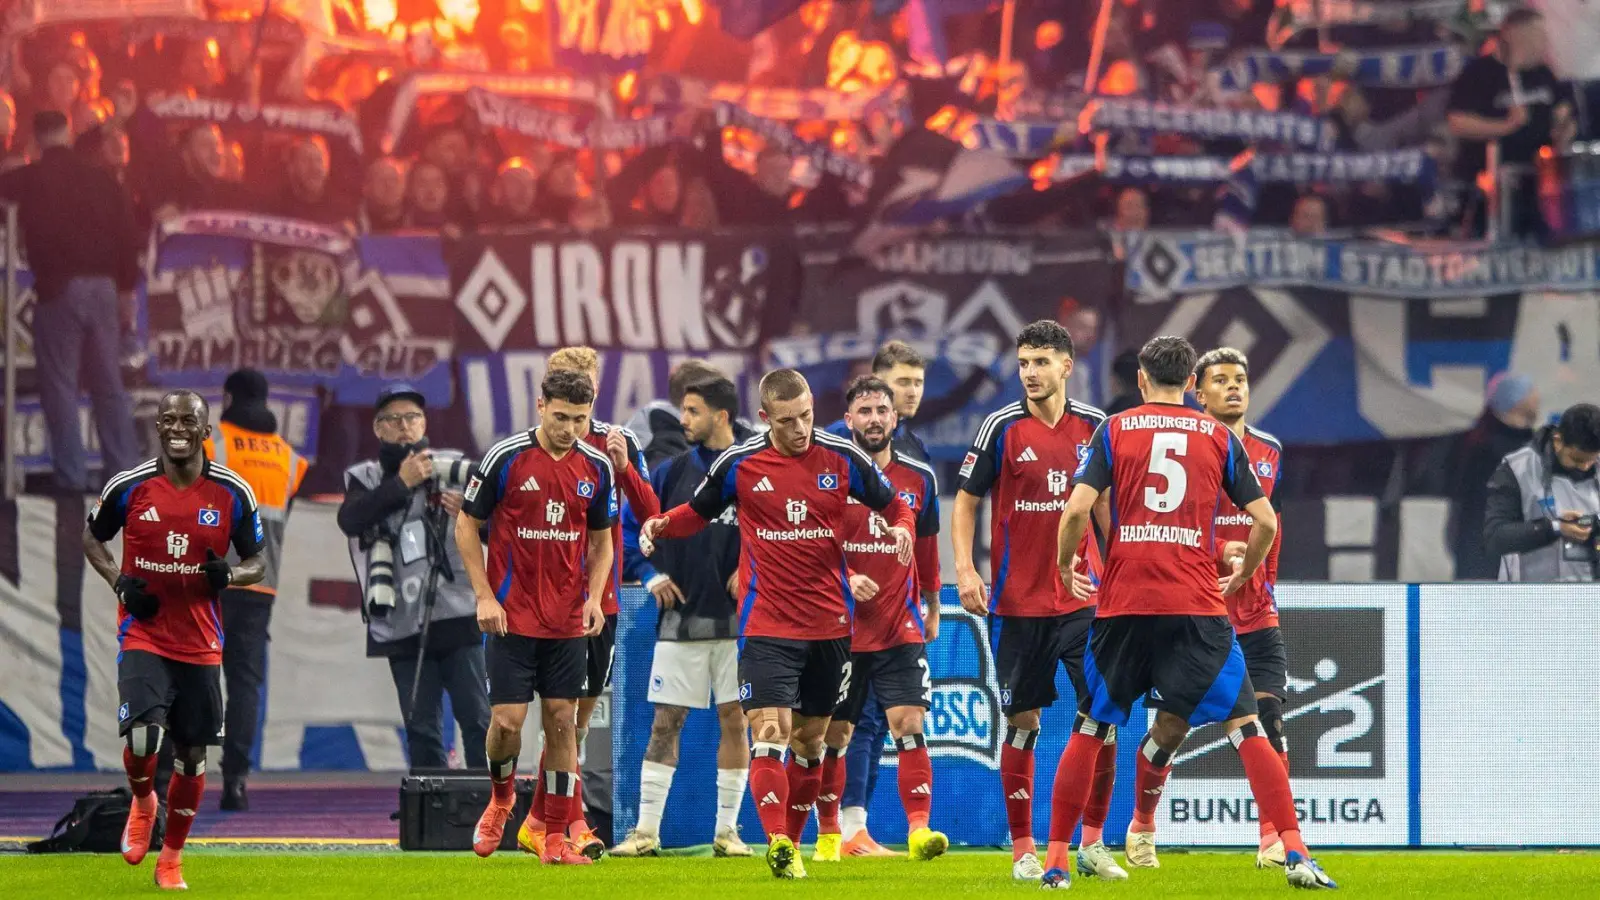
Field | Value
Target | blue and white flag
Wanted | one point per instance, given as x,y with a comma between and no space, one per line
1292,129
1397,67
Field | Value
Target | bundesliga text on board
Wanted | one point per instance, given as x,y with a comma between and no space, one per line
1346,723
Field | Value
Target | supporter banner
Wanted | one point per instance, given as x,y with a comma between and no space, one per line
328,121
565,129
1333,366
1018,139
961,300
1398,67
778,134
1163,263
784,104
1301,15
298,410
666,290
1310,132
305,304
26,302
500,389
1404,166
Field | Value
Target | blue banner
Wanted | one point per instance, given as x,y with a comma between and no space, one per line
1366,341
1251,125
1402,166
306,305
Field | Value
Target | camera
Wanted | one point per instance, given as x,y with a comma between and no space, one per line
449,474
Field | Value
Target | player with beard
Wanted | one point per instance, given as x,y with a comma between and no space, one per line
844,812
1222,384
887,647
1026,453
633,482
1162,631
178,515
797,598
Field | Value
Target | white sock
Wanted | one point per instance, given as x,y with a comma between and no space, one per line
730,793
655,782
852,821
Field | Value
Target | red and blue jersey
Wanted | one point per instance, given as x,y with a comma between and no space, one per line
166,531
1026,466
1168,469
1254,606
634,484
894,616
793,582
540,510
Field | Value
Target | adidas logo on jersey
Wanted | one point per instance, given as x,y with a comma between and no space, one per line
765,484
922,789
150,515
769,798
530,484
1027,455
1020,794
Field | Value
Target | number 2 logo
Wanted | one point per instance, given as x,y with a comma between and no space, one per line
1165,448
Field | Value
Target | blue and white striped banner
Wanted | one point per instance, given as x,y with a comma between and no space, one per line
1428,66
1402,166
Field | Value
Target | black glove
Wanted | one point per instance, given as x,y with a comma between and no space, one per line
139,603
217,571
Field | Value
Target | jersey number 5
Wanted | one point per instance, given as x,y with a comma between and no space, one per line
1164,446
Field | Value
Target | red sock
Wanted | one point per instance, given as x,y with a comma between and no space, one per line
805,783
833,770
183,801
916,780
536,810
1269,782
1016,781
559,797
577,822
1283,757
141,772
1105,778
1069,794
769,787
1155,764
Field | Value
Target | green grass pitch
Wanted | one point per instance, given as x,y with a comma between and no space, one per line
387,875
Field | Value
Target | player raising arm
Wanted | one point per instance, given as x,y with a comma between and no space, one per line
795,596
178,514
1161,628
550,501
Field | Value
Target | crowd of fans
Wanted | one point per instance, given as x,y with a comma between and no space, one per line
451,174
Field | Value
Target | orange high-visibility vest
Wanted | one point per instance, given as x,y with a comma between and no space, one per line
273,471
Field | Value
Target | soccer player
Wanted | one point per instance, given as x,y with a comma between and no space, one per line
696,656
1222,384
633,481
905,371
179,514
887,649
791,486
1162,626
1026,452
550,502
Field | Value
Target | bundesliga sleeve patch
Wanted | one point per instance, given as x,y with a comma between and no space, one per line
967,464
472,488
261,534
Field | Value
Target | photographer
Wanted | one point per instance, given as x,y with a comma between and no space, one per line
399,512
1540,518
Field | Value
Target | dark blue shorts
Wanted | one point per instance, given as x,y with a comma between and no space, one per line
1189,666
